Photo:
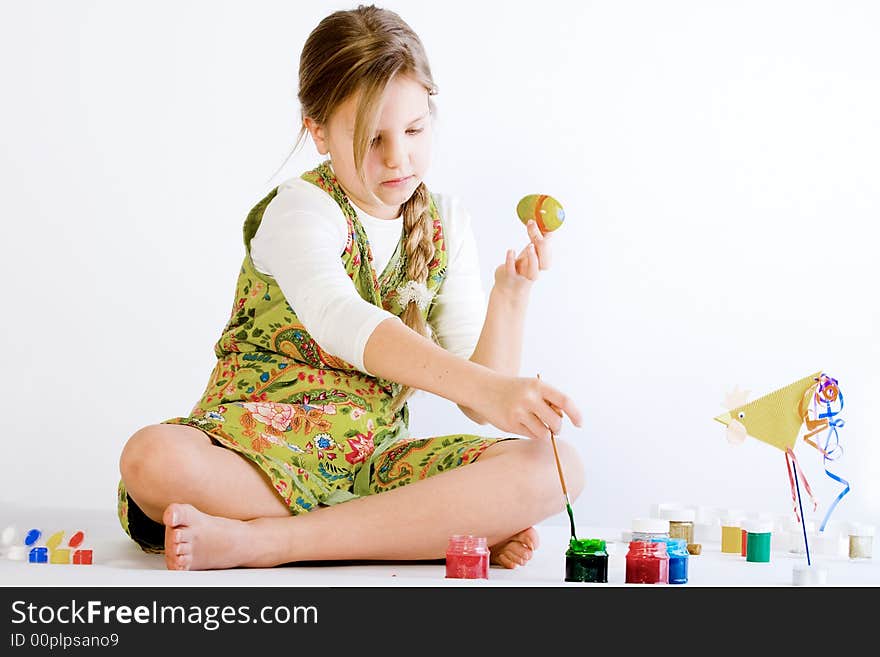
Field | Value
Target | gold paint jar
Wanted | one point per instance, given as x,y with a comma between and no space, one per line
861,541
681,523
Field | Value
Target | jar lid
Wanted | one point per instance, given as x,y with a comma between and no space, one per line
658,509
758,526
860,529
707,515
674,546
682,514
654,546
650,525
467,542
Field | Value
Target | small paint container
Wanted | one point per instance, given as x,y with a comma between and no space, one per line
17,553
647,529
681,523
795,532
586,560
678,553
831,543
467,557
758,534
731,534
647,562
7,536
861,541
706,524
809,575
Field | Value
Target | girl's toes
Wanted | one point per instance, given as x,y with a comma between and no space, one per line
183,549
518,552
505,561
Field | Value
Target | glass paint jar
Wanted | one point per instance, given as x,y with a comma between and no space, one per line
647,529
796,535
676,548
586,560
861,541
467,557
731,534
681,523
706,524
647,562
758,534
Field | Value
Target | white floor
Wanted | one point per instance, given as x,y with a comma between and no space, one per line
119,562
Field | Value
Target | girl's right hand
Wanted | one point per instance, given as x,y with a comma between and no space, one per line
526,406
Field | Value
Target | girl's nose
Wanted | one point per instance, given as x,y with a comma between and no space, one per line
395,153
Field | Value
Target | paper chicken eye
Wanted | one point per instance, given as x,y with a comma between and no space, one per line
741,415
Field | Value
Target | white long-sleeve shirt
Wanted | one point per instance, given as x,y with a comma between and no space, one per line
300,242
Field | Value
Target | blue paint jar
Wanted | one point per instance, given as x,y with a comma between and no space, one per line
676,548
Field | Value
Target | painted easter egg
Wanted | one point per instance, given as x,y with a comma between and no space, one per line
545,210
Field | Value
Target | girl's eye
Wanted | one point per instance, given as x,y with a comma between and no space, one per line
414,131
374,141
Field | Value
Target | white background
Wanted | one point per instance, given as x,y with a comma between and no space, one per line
718,163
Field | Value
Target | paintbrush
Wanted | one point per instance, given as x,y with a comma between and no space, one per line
561,476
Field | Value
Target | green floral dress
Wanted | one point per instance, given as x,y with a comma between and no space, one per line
321,430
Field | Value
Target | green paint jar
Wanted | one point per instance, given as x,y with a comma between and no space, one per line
758,540
586,560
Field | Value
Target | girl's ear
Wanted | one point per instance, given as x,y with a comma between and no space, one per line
318,134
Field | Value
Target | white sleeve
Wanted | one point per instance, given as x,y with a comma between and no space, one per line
460,305
300,242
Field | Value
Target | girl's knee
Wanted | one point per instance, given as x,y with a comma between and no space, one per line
536,467
135,454
572,468
150,451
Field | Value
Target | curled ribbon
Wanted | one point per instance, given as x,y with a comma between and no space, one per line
795,471
827,392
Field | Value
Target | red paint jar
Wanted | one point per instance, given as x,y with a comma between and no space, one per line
647,562
467,557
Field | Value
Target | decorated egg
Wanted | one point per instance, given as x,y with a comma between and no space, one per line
545,210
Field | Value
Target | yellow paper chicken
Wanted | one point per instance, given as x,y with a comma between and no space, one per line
775,418
778,417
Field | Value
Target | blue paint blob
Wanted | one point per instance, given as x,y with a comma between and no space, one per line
32,537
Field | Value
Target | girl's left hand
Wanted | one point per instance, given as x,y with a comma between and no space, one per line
518,273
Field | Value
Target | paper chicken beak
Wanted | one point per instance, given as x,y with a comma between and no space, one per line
724,418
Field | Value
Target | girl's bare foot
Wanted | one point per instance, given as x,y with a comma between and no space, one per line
516,550
198,541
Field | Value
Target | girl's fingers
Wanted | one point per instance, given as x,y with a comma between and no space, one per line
533,265
510,262
543,249
563,404
550,418
536,428
542,244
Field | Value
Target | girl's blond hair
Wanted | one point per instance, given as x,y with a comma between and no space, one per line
360,51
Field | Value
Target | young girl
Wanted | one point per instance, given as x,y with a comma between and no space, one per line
358,287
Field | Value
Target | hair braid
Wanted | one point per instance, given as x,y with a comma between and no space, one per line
419,249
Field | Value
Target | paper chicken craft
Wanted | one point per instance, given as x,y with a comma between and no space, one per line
813,404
